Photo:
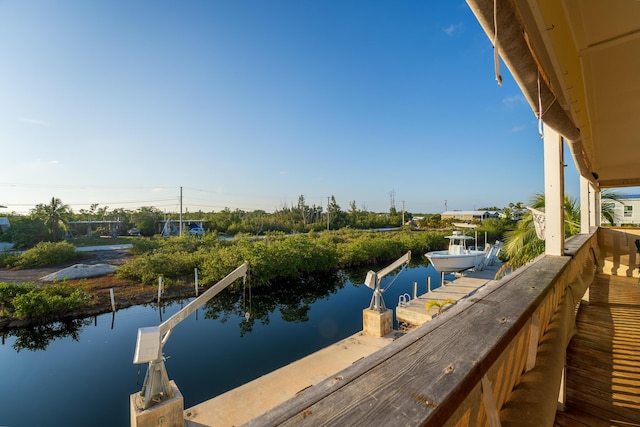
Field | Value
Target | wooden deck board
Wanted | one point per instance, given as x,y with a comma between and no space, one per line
603,359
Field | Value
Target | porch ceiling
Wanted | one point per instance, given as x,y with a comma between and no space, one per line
588,56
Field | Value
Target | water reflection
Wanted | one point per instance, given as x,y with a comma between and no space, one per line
39,337
293,299
207,357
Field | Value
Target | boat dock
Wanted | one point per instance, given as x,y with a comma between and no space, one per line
414,312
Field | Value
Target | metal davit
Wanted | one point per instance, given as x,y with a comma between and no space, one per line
156,387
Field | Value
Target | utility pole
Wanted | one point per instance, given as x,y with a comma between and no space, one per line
180,212
327,213
403,212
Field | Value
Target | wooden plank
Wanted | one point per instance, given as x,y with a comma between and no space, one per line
603,372
572,417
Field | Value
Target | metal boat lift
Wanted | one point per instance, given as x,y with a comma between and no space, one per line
156,387
374,279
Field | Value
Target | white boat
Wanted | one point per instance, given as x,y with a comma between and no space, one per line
457,257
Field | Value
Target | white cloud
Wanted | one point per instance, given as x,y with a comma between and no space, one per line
512,100
452,29
37,164
32,121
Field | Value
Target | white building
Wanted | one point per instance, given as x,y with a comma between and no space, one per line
627,211
469,215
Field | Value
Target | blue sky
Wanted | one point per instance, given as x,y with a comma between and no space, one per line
250,104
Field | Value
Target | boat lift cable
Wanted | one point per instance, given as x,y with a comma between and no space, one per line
404,267
247,313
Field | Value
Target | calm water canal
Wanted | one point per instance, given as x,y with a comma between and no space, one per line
82,374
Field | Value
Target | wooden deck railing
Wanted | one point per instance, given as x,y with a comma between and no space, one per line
472,365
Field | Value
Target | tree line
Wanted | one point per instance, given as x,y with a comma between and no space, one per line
54,221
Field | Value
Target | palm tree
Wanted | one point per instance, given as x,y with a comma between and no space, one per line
523,245
53,214
607,208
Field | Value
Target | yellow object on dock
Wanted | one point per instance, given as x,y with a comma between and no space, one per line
414,312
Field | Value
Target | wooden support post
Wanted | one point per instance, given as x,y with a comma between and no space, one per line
196,273
585,206
415,290
598,208
428,284
553,192
113,302
159,288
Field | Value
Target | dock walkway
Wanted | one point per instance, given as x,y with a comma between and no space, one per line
246,402
415,313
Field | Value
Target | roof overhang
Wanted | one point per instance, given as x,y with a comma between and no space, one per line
578,64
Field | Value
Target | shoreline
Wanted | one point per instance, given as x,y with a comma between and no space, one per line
126,294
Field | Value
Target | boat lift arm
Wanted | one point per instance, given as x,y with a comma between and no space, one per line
151,340
373,280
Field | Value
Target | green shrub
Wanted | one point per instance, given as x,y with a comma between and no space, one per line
276,255
144,245
8,291
46,302
166,261
9,259
48,253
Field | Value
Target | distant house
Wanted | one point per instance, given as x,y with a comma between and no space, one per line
627,211
469,216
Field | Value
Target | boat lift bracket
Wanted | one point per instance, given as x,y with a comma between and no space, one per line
156,387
